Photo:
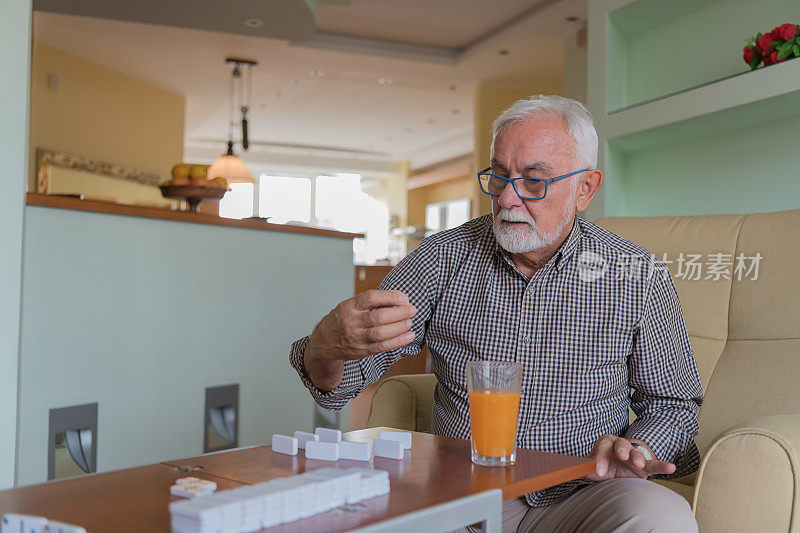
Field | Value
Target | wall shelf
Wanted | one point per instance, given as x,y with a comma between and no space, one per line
684,126
744,100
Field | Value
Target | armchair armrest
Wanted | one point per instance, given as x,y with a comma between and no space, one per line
750,478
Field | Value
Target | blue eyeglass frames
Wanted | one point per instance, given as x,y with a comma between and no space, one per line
532,188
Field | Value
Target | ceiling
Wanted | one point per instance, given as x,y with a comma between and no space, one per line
435,54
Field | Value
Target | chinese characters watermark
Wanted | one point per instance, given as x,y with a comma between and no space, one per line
687,266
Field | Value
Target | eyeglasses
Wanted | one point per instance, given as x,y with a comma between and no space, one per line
528,188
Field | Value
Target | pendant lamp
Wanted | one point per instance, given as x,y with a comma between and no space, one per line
229,165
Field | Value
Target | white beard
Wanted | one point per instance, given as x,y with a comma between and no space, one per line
527,239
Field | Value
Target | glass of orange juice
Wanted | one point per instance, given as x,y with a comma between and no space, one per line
494,388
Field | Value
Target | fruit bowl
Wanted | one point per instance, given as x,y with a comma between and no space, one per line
193,194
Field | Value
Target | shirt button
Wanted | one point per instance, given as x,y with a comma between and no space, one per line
526,340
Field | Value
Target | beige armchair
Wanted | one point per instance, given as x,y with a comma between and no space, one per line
745,331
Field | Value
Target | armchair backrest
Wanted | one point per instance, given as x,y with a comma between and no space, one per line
745,330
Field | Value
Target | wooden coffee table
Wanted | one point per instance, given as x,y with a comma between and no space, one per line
437,470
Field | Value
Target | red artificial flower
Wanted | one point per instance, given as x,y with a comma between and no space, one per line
785,32
773,58
763,44
749,52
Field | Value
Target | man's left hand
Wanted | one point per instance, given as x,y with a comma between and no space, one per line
617,458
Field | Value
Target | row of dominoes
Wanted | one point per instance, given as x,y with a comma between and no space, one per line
248,509
327,445
16,523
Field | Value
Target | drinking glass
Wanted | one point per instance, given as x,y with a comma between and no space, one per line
494,390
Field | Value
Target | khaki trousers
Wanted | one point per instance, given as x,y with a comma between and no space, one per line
618,505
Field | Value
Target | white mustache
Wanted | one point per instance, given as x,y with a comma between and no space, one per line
515,216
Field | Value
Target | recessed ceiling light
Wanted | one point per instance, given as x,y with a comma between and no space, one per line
572,19
456,111
316,73
503,52
409,130
453,87
385,80
431,121
254,23
295,81
278,94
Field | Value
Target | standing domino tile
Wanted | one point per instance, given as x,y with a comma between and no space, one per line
373,482
401,436
60,527
390,449
349,483
284,444
329,435
303,437
20,522
324,451
356,451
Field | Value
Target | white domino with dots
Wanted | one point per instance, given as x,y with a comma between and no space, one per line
284,444
328,435
16,523
283,500
322,451
190,491
389,449
403,437
61,527
355,451
21,522
303,437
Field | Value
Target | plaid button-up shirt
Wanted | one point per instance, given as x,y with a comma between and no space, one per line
598,329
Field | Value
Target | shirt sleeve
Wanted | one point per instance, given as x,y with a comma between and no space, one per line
663,375
418,277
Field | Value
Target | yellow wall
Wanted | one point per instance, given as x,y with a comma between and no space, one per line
439,192
102,114
394,194
490,101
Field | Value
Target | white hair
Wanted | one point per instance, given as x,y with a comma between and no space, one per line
573,114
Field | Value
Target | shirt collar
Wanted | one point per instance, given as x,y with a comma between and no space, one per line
562,255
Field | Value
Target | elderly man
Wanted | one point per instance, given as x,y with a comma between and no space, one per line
533,283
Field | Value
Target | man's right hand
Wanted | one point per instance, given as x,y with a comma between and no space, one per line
369,323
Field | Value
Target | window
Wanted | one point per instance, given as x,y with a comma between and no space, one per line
335,201
446,215
238,202
284,199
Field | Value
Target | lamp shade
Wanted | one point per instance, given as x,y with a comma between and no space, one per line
231,168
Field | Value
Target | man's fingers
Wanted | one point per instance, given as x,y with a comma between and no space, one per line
391,344
659,467
386,315
375,298
637,459
602,454
622,449
388,331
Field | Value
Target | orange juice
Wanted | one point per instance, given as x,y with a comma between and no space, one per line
493,419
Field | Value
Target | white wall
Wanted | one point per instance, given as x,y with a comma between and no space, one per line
141,315
15,43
